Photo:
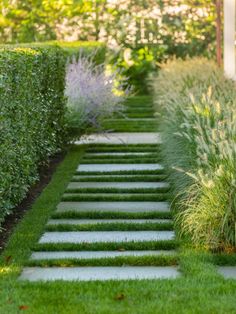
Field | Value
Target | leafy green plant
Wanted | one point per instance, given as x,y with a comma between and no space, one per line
32,116
138,64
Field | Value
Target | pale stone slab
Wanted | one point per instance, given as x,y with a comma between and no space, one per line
117,167
121,138
96,254
118,185
105,221
229,272
122,207
105,236
113,176
99,273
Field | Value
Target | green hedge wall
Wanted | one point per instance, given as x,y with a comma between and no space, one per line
94,48
31,117
32,102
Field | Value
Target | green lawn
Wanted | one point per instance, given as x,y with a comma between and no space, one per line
200,289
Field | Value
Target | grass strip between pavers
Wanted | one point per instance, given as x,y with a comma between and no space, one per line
154,146
116,226
131,157
111,246
110,215
120,161
162,260
139,128
134,115
119,197
106,178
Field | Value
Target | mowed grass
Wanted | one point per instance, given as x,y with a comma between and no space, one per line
130,120
200,289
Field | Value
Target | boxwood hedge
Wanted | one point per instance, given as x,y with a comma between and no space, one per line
32,111
32,107
94,48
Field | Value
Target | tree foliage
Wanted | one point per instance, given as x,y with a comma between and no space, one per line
141,33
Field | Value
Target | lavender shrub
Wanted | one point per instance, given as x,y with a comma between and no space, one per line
92,95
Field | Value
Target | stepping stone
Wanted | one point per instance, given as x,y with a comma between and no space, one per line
113,176
122,207
95,254
99,273
229,272
121,138
118,185
117,167
105,236
105,221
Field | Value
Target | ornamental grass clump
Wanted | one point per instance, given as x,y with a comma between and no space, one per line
199,126
93,95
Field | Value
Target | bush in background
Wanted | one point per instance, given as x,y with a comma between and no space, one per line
75,49
198,105
32,125
153,30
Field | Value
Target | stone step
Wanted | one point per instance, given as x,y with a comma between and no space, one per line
105,236
99,273
228,272
105,221
121,138
117,185
96,254
117,167
122,207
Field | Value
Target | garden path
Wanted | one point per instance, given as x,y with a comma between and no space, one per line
114,219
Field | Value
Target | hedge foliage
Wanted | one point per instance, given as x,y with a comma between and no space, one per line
94,48
32,102
31,118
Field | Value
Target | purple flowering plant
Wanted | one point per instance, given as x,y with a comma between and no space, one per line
92,94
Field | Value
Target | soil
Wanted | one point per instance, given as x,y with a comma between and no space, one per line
45,174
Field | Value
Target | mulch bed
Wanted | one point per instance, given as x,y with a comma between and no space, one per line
18,213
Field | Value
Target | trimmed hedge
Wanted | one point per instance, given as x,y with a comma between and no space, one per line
31,118
32,102
96,49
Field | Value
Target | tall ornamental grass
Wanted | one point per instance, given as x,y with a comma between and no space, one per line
198,108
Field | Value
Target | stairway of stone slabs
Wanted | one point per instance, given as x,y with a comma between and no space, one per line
114,220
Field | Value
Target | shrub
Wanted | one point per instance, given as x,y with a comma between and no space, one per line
199,126
138,64
32,116
92,95
74,49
